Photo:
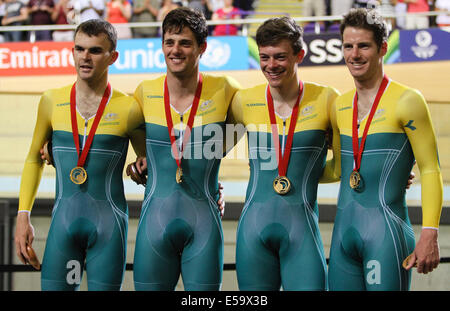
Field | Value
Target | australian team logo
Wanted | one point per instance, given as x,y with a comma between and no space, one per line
110,117
307,111
205,105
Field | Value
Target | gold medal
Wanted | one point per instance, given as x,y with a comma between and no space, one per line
178,153
355,180
281,185
78,175
179,175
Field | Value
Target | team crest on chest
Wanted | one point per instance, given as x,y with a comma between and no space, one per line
110,117
206,105
307,111
379,113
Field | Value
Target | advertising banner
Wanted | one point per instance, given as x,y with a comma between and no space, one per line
323,49
222,53
135,56
424,45
43,58
146,55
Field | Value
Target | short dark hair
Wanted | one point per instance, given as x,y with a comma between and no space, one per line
367,19
94,27
276,29
177,19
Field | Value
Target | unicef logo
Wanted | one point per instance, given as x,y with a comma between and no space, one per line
216,55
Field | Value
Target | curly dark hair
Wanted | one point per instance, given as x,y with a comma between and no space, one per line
177,19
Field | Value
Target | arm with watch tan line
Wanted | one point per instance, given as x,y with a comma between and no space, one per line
413,114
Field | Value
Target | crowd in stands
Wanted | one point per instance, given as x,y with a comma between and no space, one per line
118,12
386,7
122,12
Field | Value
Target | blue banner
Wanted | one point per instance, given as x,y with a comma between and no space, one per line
424,45
146,55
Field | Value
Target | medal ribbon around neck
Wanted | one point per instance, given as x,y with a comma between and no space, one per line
283,160
190,122
98,116
358,149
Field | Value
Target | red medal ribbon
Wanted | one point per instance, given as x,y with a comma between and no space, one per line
98,116
190,122
358,149
283,160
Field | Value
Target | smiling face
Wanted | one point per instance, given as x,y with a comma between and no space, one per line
279,63
92,56
363,57
182,52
